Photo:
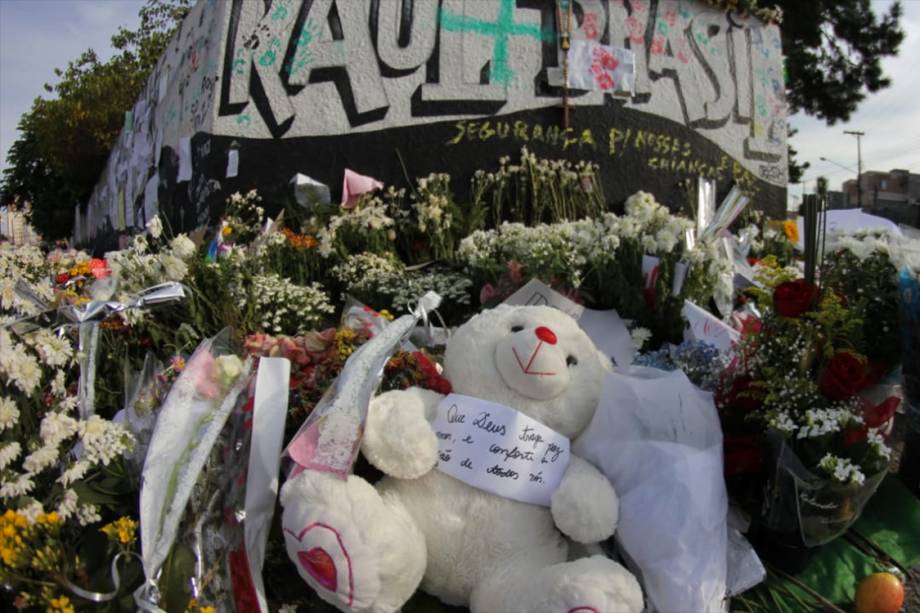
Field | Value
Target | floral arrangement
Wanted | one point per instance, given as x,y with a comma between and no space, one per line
800,372
700,361
601,260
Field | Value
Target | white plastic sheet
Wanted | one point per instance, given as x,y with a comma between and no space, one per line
658,440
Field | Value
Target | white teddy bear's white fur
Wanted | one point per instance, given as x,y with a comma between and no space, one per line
368,548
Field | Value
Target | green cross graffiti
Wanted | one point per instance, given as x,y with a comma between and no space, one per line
501,30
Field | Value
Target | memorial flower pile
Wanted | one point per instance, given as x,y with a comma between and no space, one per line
294,287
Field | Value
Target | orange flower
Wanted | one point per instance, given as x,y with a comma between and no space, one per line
791,228
299,241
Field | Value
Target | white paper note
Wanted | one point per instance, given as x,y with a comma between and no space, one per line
706,327
233,163
594,66
495,448
604,328
150,198
185,159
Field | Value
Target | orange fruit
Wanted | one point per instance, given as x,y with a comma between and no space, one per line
879,593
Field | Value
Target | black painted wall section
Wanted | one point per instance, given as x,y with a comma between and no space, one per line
635,151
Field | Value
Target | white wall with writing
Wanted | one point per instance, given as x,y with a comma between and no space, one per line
332,67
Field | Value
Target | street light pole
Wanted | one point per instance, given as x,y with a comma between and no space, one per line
858,136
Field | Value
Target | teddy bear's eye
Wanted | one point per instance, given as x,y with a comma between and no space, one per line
571,360
517,328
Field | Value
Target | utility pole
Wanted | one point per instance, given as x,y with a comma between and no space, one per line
858,136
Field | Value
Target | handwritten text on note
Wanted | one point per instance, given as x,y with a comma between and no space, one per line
497,449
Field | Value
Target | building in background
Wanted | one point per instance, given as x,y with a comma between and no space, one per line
838,200
894,195
15,228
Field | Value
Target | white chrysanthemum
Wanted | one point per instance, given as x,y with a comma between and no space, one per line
9,413
59,384
25,373
68,504
183,247
8,453
76,472
57,427
20,486
54,350
40,459
155,227
174,269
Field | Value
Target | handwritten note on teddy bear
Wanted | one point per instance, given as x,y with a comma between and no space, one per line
495,448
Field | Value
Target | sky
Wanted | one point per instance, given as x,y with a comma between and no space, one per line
37,36
890,119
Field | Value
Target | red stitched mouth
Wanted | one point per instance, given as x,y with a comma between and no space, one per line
526,369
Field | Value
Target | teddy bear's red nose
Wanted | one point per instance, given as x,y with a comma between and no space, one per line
546,335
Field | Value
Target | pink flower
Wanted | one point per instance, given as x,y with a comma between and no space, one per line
487,293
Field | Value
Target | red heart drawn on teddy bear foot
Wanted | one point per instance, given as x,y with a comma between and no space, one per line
319,564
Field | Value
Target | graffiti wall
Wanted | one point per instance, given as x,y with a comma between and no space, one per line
314,86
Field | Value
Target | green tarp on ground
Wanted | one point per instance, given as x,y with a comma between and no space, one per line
889,530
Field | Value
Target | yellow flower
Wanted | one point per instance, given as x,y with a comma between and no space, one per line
226,231
81,269
791,228
61,604
123,530
194,607
386,315
49,519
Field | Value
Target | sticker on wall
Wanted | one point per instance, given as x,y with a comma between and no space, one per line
185,159
233,163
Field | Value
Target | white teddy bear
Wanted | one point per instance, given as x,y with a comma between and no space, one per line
368,548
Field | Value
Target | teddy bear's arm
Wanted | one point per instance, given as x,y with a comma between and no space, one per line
398,438
585,507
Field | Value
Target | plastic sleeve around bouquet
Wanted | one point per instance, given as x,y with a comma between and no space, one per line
329,439
228,517
817,509
142,390
187,427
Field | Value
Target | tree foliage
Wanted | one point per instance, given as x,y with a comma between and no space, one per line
65,139
833,53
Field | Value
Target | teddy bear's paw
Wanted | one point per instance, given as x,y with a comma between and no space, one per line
398,438
585,507
589,585
346,542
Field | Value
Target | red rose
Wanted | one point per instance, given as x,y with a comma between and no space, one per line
742,395
793,298
844,376
62,278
